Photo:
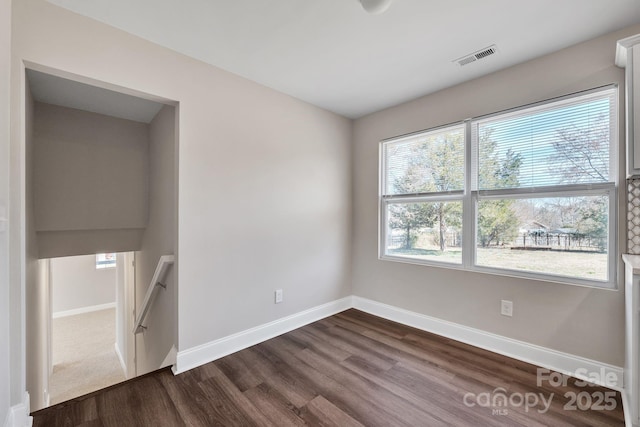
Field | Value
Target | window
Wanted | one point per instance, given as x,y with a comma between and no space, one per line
530,192
105,261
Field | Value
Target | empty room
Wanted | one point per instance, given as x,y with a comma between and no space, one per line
326,213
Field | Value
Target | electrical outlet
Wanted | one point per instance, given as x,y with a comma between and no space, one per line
506,308
279,296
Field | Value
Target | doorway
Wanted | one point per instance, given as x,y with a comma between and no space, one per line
100,178
89,343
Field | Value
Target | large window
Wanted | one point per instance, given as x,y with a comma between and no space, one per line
530,192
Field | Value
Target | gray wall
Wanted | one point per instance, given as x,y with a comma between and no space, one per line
6,379
578,320
76,283
264,178
159,239
90,181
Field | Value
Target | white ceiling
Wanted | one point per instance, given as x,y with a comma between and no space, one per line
333,54
67,93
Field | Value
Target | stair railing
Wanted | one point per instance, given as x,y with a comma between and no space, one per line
156,282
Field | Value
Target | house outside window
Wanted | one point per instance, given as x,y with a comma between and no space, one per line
529,192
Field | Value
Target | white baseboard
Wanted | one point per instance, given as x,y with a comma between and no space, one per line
205,353
18,415
121,359
565,363
83,310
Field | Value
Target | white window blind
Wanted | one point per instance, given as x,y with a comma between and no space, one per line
566,142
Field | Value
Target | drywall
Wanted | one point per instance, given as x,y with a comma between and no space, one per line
90,177
81,242
121,323
105,165
154,343
264,179
6,379
76,283
36,281
16,234
578,320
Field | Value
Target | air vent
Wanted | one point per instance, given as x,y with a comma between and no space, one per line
473,57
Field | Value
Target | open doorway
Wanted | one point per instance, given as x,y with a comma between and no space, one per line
89,346
100,177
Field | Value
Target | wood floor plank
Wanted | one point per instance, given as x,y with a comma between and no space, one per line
238,372
340,338
321,412
224,409
73,413
280,376
349,370
135,406
340,394
313,343
274,406
401,410
424,398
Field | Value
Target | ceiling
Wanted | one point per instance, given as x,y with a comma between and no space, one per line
68,93
332,54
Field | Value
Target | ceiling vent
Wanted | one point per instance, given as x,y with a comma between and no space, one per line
473,57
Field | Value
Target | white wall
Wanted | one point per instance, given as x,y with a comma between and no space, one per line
121,322
90,181
159,239
6,379
17,247
264,178
76,283
36,284
578,320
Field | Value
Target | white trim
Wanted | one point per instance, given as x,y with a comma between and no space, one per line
18,415
205,353
622,48
626,409
558,361
471,196
129,315
121,359
83,310
544,357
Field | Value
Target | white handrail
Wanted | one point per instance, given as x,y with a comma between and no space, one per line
156,282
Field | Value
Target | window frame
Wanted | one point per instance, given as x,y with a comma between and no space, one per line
470,196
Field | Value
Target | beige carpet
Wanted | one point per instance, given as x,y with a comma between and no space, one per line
84,357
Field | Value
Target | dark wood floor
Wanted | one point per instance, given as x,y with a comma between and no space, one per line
351,369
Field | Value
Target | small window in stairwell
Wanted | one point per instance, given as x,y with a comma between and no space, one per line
105,261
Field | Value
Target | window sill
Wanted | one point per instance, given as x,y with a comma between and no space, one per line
516,274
